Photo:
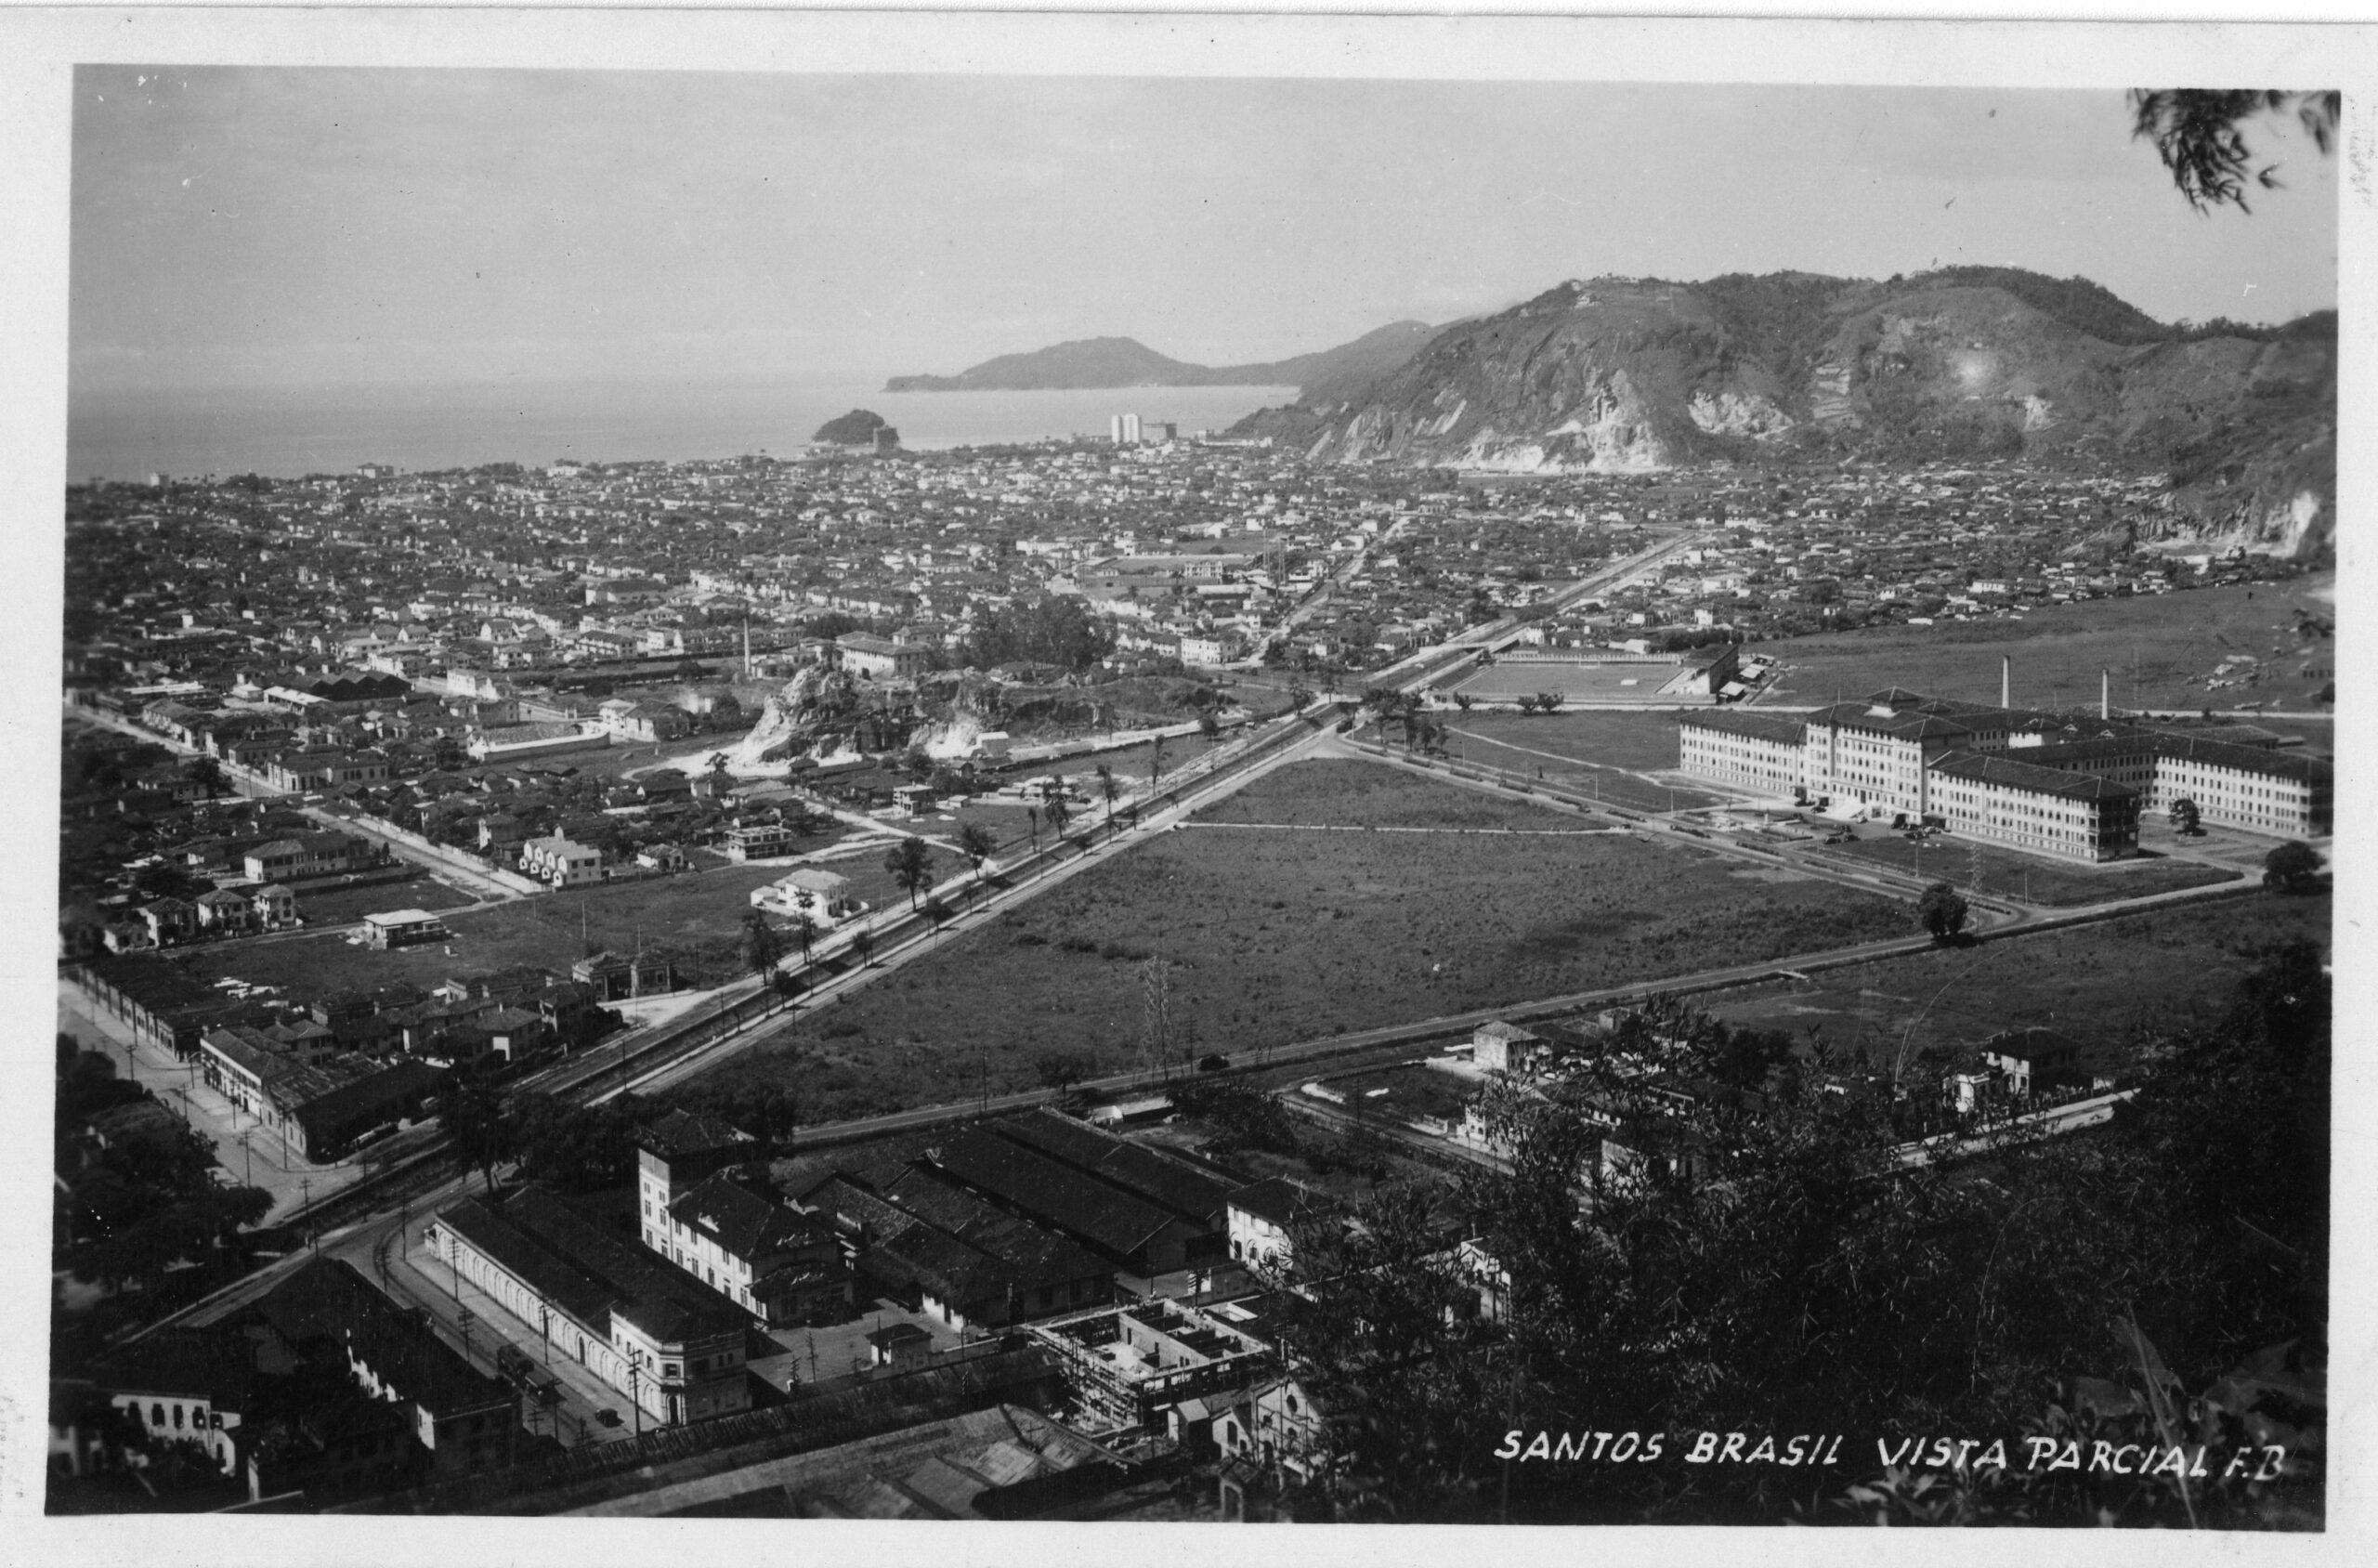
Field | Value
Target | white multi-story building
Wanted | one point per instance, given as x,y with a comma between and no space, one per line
562,861
2041,781
673,1348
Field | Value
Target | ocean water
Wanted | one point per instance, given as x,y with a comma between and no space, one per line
286,432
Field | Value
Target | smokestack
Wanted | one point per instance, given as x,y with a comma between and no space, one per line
2105,694
2005,681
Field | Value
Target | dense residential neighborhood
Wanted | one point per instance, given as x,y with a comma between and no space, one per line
426,838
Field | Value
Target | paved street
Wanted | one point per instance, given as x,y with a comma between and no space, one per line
254,1154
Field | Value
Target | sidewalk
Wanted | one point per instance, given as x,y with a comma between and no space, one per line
415,1275
253,1154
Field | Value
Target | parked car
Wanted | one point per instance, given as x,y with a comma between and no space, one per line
1212,1064
607,1417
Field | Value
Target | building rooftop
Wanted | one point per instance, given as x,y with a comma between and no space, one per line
1105,1216
1197,1195
1994,768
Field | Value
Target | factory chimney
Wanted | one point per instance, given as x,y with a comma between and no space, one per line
2005,681
2105,694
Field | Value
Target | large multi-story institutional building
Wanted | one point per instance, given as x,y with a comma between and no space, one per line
777,1260
2073,786
643,1327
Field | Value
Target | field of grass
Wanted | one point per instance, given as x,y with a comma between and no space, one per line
1645,742
1986,869
2110,985
1581,681
2151,644
1278,937
694,917
1600,755
332,904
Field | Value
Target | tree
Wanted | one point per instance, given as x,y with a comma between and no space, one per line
575,1148
2197,132
1549,701
1058,813
1060,1070
1943,910
1298,698
1462,701
473,1117
1110,788
2185,818
937,912
765,1111
208,773
2293,866
975,843
761,944
911,865
1054,629
863,944
1161,1034
1032,821
804,934
1209,727
1527,702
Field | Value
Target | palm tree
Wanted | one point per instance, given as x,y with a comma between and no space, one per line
1110,788
1058,814
804,932
1155,760
911,864
1032,817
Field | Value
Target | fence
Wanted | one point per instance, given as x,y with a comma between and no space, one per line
444,854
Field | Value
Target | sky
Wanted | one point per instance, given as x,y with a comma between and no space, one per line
300,227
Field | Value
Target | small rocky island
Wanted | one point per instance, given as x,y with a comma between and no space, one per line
859,428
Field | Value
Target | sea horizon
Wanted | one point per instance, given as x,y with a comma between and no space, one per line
287,432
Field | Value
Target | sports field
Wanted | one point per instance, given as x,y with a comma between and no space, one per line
1578,681
2158,649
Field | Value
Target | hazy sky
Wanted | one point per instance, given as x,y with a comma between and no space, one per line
290,225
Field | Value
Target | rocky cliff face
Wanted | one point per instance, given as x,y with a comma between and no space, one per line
1615,376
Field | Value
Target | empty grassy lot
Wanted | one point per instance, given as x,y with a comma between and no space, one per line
2111,985
1600,755
1985,869
1276,936
1644,742
2152,645
332,904
695,917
